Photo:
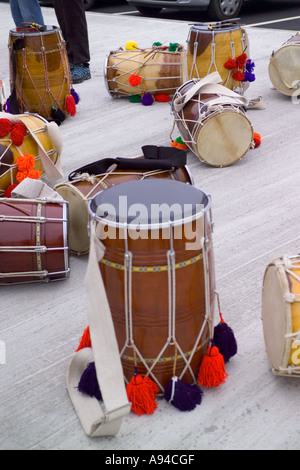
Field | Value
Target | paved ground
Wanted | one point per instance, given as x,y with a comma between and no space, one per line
256,214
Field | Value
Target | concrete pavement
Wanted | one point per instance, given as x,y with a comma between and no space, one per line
255,206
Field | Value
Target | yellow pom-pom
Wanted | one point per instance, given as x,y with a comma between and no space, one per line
131,46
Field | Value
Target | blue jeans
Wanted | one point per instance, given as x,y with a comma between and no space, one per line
28,11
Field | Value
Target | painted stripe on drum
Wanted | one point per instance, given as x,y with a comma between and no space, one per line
152,269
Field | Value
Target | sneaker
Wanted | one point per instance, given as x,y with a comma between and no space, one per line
80,73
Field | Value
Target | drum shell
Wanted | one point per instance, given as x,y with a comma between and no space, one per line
281,313
150,296
161,72
37,126
46,81
228,137
200,55
77,194
31,223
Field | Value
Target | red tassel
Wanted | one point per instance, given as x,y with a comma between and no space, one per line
5,127
212,371
161,98
85,341
70,105
9,190
241,61
141,392
230,64
238,76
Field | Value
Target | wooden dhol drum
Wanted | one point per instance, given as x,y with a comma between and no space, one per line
160,71
281,315
88,181
33,241
284,67
40,135
210,47
158,272
213,125
39,70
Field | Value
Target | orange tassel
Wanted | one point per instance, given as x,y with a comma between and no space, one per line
85,341
141,392
257,139
212,371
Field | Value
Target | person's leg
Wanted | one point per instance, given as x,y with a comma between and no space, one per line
31,11
60,15
16,13
72,21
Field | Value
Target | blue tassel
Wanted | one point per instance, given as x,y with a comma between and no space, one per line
88,383
184,396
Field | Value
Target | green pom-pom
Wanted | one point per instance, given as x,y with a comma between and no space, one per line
135,99
179,140
158,44
173,46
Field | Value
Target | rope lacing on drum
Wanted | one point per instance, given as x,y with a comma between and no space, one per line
136,70
171,336
42,108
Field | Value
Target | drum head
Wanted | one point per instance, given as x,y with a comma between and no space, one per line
276,316
284,69
138,200
224,139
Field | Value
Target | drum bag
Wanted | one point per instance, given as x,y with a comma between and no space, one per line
155,158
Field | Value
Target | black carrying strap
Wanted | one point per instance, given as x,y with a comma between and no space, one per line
155,158
18,43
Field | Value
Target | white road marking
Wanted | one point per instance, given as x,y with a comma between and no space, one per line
281,20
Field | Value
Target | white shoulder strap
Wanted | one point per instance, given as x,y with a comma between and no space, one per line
211,84
99,419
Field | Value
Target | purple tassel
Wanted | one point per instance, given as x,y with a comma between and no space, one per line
183,396
225,340
249,77
88,383
75,96
7,107
147,99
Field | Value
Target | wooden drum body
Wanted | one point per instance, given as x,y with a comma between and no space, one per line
40,135
39,69
33,241
158,273
281,315
210,47
284,67
215,128
160,71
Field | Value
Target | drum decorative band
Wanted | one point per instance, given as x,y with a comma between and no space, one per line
281,315
144,74
29,147
284,67
212,121
85,182
33,241
40,79
220,47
